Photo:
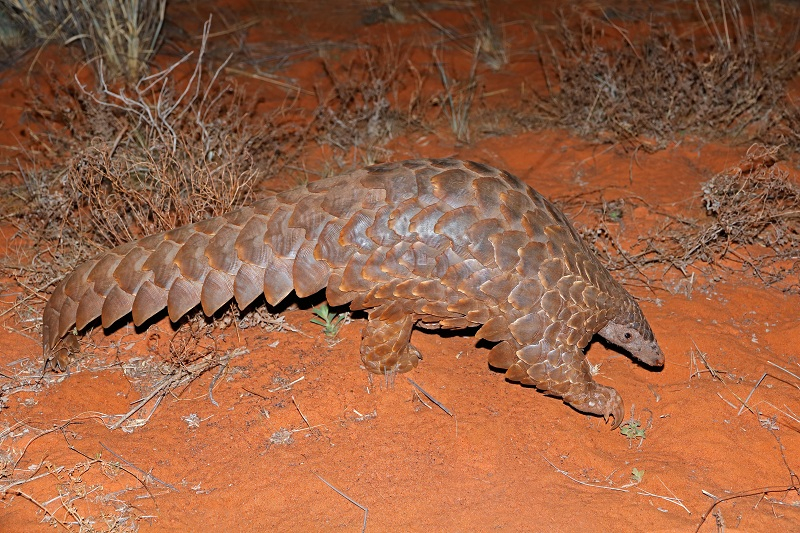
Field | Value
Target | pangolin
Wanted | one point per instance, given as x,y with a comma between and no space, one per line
438,243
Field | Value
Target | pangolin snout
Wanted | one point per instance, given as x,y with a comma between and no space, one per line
651,355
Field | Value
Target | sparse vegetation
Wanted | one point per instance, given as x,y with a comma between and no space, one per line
649,87
748,222
485,40
99,492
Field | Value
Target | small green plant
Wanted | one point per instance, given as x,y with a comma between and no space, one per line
632,430
330,322
614,210
637,475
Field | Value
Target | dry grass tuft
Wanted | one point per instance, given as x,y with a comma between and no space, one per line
728,79
368,101
381,93
120,36
124,35
458,95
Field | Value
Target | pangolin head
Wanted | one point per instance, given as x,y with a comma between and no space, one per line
631,332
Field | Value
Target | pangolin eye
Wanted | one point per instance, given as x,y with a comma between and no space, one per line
627,336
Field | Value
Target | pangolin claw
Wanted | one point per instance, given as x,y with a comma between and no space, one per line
597,399
615,408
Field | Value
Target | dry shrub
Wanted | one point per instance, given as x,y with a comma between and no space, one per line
754,203
750,223
729,80
120,35
368,102
115,163
140,160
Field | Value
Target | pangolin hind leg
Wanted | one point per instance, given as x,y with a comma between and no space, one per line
385,346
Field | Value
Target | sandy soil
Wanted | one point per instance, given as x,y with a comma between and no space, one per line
262,457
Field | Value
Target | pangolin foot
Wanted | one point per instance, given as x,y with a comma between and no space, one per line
598,400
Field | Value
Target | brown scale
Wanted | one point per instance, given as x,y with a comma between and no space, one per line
436,243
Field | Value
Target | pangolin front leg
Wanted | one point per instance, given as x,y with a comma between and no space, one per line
564,372
439,242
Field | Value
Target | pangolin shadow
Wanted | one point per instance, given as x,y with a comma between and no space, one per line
307,303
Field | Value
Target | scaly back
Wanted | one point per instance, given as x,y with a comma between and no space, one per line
447,233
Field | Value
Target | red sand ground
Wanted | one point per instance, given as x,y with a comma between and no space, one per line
508,458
